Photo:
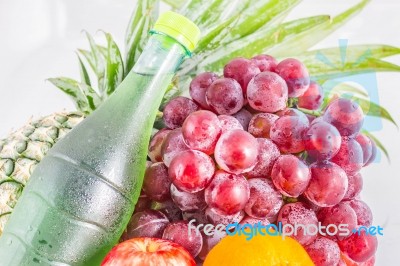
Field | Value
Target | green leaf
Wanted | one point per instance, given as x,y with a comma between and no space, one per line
372,109
114,66
97,62
88,57
260,14
321,69
193,9
379,111
259,41
218,12
213,38
175,4
137,33
378,144
92,98
71,88
83,72
306,39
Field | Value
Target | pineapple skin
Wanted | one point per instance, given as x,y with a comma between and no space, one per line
23,149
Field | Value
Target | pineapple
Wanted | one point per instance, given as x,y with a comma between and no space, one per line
246,28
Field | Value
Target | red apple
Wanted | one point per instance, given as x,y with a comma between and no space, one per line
148,251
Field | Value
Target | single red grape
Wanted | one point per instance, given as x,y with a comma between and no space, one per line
156,182
155,145
298,215
201,131
199,86
359,246
148,223
191,170
188,201
328,184
339,214
176,111
290,175
363,212
312,97
236,151
172,145
228,122
244,117
296,76
260,124
373,153
268,152
227,193
366,146
265,62
349,156
242,70
323,252
225,96
287,133
355,186
346,115
322,140
265,201
267,92
189,238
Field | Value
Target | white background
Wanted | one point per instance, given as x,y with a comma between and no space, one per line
38,39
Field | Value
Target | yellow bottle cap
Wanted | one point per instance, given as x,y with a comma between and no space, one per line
180,28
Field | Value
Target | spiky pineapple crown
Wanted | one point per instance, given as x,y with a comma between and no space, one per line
245,29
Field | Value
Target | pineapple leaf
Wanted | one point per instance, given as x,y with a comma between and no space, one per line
378,144
261,15
213,38
260,41
98,62
137,32
88,57
83,72
175,4
193,9
320,69
373,109
307,39
356,53
71,88
218,12
92,98
114,66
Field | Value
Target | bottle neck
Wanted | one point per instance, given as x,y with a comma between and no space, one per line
162,55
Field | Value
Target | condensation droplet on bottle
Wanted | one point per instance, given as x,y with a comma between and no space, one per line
9,242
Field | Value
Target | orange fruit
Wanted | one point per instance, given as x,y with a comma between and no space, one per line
260,250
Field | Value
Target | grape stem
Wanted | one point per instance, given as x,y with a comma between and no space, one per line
310,112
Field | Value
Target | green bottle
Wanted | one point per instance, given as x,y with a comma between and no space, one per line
81,196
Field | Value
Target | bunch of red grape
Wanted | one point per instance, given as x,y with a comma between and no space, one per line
236,152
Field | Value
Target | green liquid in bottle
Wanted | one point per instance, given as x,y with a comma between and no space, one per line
81,196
